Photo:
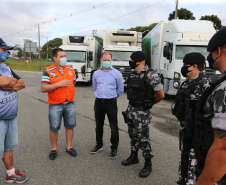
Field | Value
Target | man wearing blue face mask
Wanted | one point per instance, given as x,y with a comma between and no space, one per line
10,83
59,80
108,86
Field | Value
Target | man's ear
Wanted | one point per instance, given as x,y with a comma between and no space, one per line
195,66
219,50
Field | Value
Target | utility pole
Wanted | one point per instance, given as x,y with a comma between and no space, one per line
176,11
94,32
39,48
47,47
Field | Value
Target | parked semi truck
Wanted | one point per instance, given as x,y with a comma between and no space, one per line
122,44
83,54
167,44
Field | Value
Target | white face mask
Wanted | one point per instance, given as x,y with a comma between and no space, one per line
63,61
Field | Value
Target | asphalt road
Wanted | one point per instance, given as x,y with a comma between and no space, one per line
86,168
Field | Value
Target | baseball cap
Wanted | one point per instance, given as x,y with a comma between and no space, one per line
4,45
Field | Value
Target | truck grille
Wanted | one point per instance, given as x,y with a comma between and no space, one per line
125,70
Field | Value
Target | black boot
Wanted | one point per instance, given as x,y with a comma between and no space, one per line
132,159
147,168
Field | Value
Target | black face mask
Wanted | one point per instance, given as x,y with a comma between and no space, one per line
211,60
185,71
133,65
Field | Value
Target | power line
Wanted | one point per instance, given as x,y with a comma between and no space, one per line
113,18
56,19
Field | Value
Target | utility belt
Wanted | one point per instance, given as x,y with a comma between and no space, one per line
146,104
105,100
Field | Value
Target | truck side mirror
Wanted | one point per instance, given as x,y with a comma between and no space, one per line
167,51
90,57
83,69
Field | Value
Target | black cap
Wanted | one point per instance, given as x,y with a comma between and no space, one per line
218,39
194,58
138,56
3,45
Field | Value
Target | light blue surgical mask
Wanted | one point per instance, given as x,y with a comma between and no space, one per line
3,56
106,64
63,61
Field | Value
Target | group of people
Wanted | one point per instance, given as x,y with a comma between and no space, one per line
200,106
207,152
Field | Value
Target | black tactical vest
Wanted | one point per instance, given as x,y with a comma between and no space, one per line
138,89
203,131
179,106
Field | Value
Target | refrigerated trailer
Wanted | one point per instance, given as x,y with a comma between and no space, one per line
83,54
122,44
167,44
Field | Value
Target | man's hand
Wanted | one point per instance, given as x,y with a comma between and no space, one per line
64,83
49,88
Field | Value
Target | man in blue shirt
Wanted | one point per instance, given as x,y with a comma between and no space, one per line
108,86
10,83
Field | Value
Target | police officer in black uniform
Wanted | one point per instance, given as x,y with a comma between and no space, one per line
188,94
210,119
144,89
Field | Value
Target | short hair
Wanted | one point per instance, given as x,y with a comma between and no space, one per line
106,53
55,52
201,66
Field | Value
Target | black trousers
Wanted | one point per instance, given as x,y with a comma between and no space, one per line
101,108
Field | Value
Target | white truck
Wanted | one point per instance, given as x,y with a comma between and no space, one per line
83,54
122,44
167,44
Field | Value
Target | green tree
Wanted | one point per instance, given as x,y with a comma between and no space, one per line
213,18
99,39
182,13
19,50
54,43
143,29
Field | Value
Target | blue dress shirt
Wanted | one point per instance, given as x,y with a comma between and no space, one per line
108,84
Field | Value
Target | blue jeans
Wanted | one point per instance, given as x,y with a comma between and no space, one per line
65,110
8,135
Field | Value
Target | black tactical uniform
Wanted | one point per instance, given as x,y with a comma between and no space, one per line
211,109
186,98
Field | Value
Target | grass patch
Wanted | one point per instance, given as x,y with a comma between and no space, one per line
23,66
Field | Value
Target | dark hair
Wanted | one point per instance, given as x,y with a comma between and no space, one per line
201,66
55,52
106,53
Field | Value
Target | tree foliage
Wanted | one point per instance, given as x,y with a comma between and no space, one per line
55,43
52,44
143,29
182,13
99,39
213,18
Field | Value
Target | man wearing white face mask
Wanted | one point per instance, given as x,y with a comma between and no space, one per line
108,86
59,80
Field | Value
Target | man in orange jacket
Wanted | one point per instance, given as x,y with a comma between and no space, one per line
59,80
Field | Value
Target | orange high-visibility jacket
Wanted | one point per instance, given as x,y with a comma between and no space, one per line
61,94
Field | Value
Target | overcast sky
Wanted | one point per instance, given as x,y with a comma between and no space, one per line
57,18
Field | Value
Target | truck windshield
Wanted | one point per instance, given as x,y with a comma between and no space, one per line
121,55
181,51
76,56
